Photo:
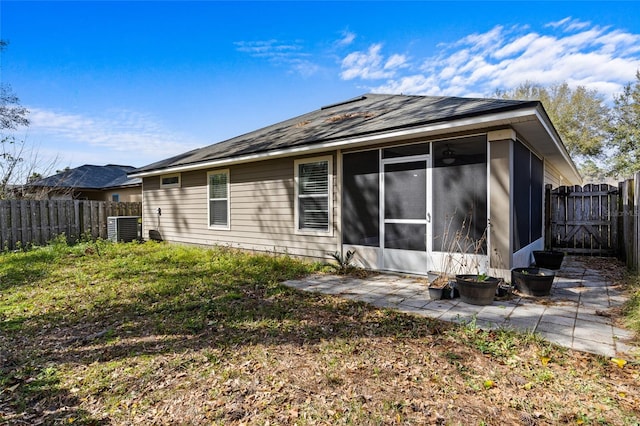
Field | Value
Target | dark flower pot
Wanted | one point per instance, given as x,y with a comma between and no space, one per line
504,291
548,259
476,292
533,281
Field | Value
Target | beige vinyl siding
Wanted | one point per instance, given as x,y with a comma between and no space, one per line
126,194
261,200
552,176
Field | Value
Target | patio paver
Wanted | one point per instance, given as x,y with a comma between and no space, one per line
574,315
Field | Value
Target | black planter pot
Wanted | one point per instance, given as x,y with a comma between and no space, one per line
476,292
504,291
533,281
548,259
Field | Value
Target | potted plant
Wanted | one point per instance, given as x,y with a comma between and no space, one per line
533,281
441,287
548,259
475,288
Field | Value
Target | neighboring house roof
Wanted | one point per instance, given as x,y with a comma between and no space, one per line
366,119
90,177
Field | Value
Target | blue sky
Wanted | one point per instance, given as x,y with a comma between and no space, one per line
135,82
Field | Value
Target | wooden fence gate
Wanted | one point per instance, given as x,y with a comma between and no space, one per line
583,220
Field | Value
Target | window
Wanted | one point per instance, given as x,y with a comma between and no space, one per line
170,181
115,197
313,195
218,183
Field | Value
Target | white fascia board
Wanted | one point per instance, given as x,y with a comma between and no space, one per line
469,123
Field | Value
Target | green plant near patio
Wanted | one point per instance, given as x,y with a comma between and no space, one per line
500,343
343,263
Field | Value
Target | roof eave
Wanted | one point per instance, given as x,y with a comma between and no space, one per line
565,163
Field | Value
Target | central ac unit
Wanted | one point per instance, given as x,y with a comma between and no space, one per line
123,228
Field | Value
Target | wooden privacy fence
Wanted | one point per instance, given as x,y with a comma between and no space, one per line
583,220
36,222
629,223
596,220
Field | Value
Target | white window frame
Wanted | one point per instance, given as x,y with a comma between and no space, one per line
228,199
297,163
171,185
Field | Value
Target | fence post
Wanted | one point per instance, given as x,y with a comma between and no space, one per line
635,264
95,219
5,215
626,200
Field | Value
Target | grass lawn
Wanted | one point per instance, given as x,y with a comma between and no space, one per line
100,333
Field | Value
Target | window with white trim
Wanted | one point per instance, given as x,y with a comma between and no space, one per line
170,181
313,195
218,190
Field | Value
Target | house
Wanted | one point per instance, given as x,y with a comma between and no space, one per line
89,182
389,176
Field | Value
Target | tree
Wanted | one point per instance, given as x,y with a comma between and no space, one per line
12,117
625,132
579,115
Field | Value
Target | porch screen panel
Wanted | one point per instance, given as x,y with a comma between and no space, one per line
537,198
405,187
521,196
405,203
405,236
460,194
406,150
361,199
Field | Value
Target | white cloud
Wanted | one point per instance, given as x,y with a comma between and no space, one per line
414,84
371,65
580,53
347,38
483,41
516,46
267,48
125,134
304,68
569,24
396,61
559,23
290,54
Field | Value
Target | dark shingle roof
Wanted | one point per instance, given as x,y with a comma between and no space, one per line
365,115
90,177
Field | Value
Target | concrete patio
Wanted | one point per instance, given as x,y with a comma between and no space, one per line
576,314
